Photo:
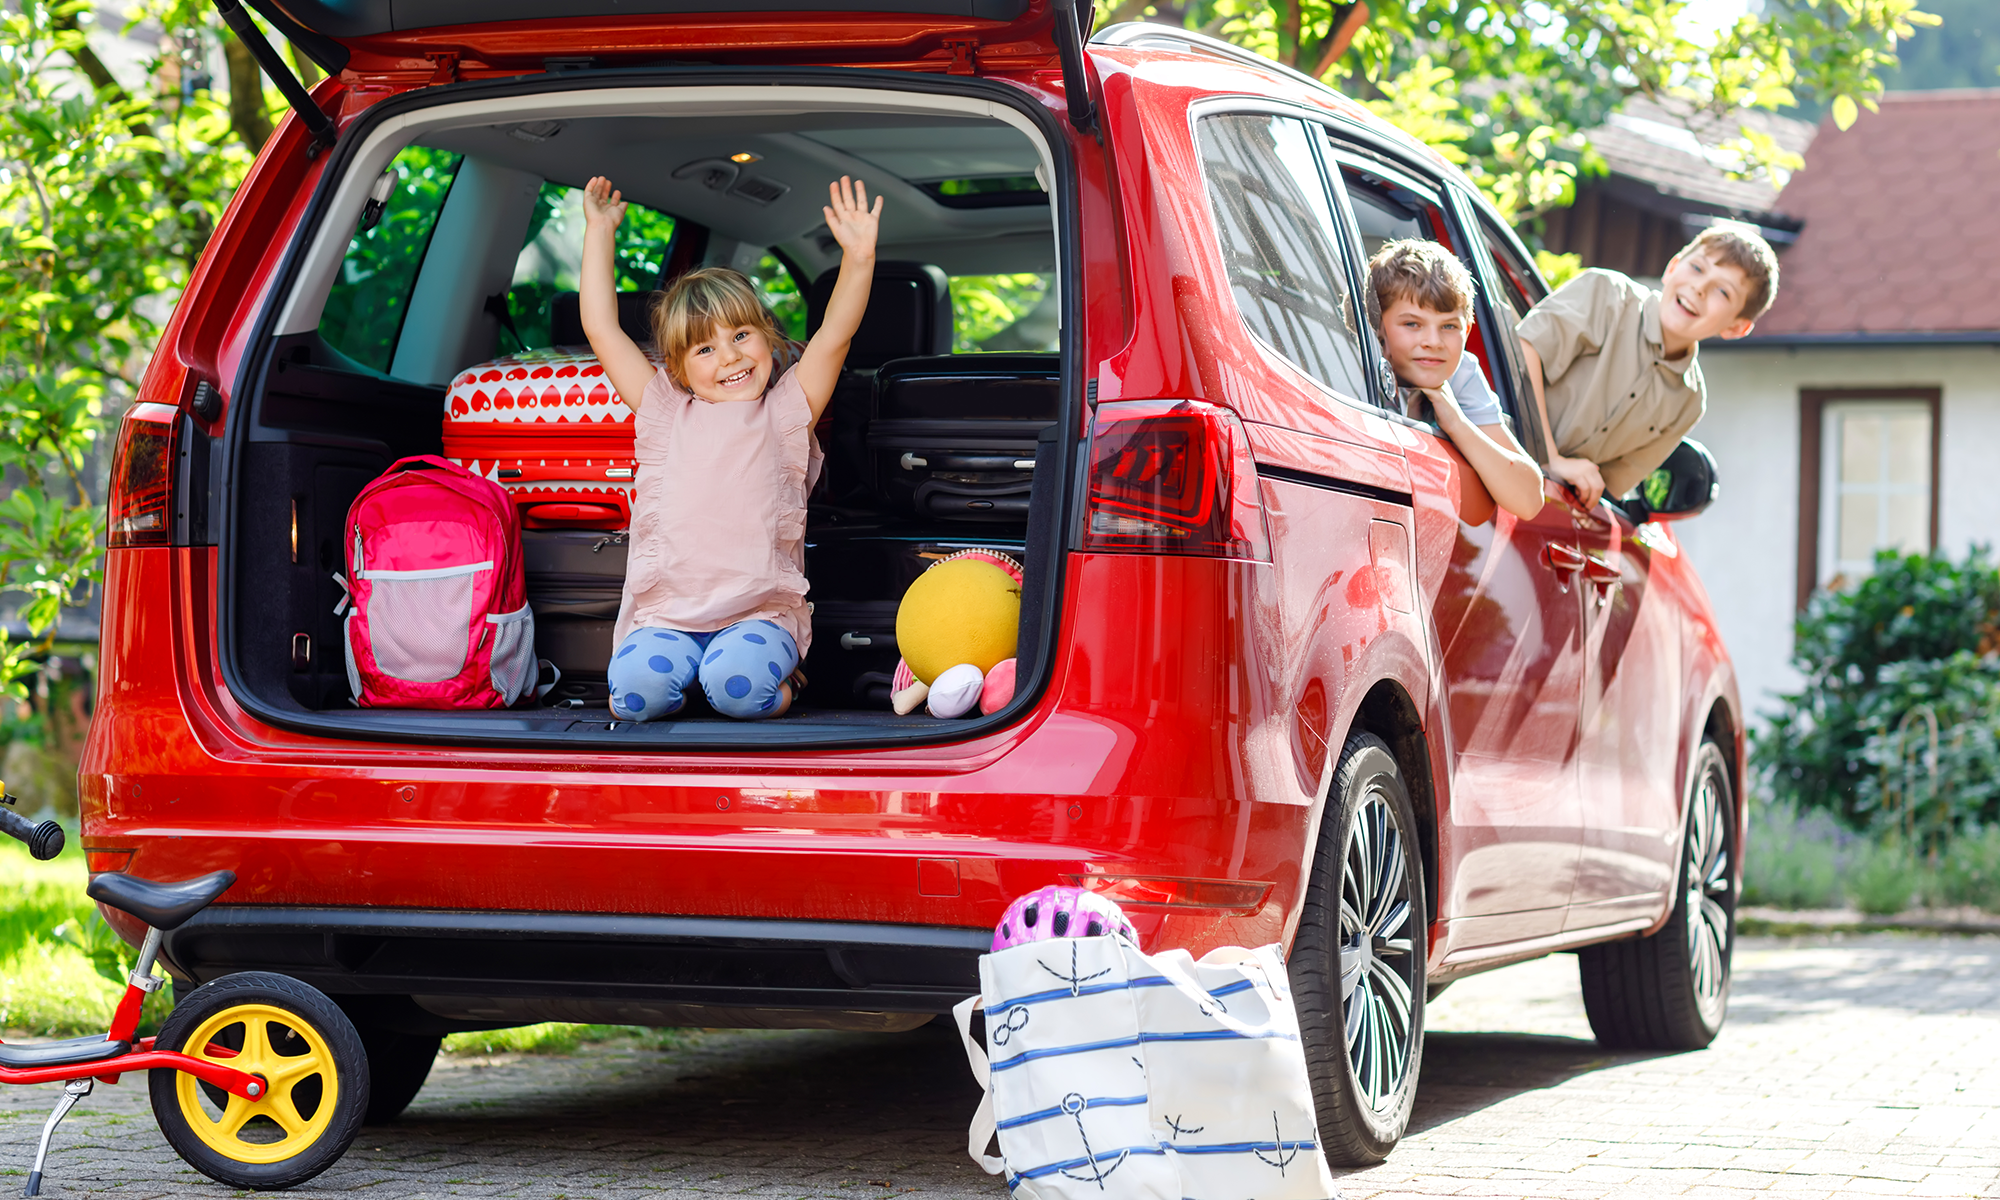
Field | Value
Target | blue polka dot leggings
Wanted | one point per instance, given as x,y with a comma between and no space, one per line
740,669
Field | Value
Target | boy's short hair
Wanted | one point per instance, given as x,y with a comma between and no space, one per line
1742,247
1421,272
700,302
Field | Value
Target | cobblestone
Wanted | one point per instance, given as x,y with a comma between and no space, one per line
1866,1065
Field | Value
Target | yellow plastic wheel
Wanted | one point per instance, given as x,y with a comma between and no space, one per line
304,1049
292,1059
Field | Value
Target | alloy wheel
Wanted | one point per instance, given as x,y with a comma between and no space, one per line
1711,901
1378,966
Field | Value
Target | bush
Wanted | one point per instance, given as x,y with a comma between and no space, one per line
1969,871
1919,635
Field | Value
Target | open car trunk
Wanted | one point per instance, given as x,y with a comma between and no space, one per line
436,276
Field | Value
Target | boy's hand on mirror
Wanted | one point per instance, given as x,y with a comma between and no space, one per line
853,223
1581,475
602,207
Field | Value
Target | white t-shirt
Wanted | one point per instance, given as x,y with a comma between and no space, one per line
1475,399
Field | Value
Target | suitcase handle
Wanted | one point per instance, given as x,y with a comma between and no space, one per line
557,515
965,462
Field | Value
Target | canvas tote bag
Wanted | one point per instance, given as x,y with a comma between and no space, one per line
1111,1073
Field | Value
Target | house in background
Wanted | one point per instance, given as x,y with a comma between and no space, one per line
1864,411
1668,178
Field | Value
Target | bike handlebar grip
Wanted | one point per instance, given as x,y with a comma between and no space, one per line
44,841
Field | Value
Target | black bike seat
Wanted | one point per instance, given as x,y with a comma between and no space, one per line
61,1054
164,906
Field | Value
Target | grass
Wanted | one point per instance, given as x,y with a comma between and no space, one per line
53,985
1808,860
555,1037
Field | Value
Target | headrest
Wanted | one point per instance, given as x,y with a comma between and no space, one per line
909,313
566,318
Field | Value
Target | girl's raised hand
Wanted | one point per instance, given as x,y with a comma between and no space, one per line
853,223
602,207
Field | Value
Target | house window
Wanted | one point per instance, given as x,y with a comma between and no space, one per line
1869,476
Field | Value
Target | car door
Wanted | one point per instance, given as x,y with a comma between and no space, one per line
1628,735
1509,625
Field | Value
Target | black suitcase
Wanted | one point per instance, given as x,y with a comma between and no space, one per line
575,579
953,437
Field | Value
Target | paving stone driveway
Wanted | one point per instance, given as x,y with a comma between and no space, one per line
1867,1065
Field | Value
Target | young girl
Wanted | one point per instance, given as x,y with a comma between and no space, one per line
1423,306
716,588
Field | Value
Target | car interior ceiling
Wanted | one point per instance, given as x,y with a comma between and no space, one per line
963,197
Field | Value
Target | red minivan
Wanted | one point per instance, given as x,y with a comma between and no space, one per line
1286,674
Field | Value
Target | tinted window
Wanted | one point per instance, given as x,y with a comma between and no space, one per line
1519,286
365,310
1281,245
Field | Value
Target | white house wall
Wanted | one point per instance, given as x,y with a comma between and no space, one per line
1746,544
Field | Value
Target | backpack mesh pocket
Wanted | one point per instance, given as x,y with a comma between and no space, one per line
420,622
513,653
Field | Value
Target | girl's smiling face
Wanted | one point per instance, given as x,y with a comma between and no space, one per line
729,364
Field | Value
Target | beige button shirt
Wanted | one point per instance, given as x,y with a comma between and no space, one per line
1613,397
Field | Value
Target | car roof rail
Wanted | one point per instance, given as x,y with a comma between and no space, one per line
1141,34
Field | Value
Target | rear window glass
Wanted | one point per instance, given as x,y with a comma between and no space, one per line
365,310
1005,313
1282,245
552,252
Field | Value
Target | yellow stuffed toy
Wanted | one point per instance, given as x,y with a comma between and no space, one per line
958,622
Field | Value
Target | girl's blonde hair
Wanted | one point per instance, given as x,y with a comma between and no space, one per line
699,303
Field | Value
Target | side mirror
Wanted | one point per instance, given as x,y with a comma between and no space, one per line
1681,487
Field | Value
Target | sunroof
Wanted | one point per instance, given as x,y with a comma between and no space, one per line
986,191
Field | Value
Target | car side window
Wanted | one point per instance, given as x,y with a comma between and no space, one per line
1282,245
1386,209
1520,287
364,312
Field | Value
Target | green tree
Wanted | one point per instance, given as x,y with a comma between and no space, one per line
108,198
1509,88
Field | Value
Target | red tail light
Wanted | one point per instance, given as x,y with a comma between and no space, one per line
1173,477
142,478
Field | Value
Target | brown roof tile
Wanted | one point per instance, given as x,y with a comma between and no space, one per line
1900,234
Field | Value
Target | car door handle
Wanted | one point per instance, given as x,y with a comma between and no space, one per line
1599,572
1604,578
1562,558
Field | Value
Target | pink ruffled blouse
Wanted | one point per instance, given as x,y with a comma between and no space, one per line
719,511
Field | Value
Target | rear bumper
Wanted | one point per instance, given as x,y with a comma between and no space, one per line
451,961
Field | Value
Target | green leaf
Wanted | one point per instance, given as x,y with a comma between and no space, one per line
1845,113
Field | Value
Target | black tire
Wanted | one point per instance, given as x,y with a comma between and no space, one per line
279,1019
1364,904
398,1064
1670,991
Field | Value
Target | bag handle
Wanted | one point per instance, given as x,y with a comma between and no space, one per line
425,462
980,1134
1169,968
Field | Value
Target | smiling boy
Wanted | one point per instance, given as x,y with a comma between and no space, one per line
1613,362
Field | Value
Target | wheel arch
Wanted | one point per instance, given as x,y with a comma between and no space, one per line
1389,712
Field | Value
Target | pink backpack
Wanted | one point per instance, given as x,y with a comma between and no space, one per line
440,614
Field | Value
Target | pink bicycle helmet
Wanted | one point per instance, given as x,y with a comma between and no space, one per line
1059,912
